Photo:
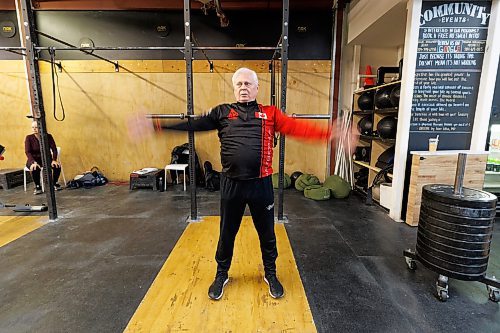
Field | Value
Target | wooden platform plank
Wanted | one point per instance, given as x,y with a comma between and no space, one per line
14,227
178,301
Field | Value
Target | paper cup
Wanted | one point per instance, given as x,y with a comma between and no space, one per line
433,144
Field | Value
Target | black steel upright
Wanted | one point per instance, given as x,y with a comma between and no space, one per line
272,67
27,19
284,69
188,56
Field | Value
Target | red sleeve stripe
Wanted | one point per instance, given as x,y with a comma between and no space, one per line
301,128
262,149
157,125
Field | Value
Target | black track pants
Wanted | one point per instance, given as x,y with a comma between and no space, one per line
36,175
235,195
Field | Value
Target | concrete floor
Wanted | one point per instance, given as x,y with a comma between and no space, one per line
89,270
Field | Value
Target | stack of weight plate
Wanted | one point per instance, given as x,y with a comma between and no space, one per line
454,231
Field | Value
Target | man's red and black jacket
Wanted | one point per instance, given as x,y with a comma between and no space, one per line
246,133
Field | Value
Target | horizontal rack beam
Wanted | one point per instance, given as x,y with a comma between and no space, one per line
311,116
245,48
172,116
12,48
111,48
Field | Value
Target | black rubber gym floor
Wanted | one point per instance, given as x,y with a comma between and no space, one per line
89,270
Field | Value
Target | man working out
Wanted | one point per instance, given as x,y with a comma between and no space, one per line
246,132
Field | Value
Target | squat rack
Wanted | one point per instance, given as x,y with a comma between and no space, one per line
26,21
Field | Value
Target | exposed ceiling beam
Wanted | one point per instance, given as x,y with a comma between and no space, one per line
164,4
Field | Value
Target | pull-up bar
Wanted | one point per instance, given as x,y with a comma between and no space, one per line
107,48
246,48
172,116
311,116
195,116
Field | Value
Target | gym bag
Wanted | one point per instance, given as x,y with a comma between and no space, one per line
212,177
180,155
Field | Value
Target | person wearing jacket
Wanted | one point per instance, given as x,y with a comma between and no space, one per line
246,132
34,155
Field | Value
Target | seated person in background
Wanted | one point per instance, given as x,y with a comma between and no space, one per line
34,163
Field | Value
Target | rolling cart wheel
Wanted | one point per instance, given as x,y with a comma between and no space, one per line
411,263
493,294
442,288
442,295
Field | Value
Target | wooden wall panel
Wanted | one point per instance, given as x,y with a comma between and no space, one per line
14,106
440,168
98,103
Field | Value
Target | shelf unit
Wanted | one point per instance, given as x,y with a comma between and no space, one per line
376,144
373,168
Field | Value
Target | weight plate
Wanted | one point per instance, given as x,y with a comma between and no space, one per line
451,273
469,198
423,247
86,42
427,224
464,222
457,210
460,252
454,243
7,29
457,268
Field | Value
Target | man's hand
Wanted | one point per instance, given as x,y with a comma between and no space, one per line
352,139
55,164
139,127
347,138
34,166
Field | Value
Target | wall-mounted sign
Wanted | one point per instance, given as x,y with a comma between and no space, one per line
452,39
8,29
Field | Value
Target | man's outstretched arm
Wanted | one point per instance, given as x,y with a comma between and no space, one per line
204,123
301,128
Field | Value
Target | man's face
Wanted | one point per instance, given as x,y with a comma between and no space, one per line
245,88
34,127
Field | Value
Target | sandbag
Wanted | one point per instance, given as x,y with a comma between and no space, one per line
317,192
286,180
339,187
305,180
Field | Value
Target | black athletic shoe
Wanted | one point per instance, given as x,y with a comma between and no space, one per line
217,288
275,287
57,187
38,190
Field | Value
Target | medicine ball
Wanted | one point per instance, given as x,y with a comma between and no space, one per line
395,92
383,97
361,154
294,176
386,127
386,158
361,178
365,125
365,100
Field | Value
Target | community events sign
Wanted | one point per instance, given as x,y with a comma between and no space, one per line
451,45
